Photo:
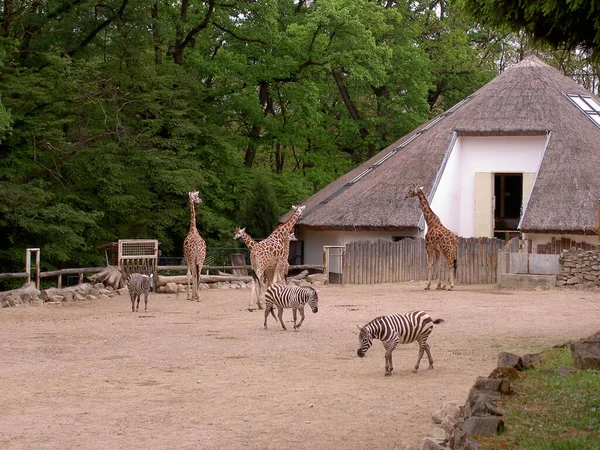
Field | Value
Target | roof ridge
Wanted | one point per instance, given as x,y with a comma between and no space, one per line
426,127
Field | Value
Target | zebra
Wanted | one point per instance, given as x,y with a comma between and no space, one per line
293,297
397,329
139,284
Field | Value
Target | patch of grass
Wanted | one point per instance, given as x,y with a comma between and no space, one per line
549,410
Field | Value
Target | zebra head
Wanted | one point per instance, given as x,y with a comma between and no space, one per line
313,300
365,340
239,232
152,284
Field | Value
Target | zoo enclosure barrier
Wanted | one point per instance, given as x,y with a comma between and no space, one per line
384,261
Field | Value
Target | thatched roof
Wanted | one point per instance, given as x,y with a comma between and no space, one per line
527,99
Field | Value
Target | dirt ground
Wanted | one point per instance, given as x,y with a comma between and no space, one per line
206,375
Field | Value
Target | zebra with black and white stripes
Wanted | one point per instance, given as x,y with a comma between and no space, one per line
294,297
398,329
139,284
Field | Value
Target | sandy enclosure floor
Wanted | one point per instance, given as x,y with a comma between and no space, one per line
206,375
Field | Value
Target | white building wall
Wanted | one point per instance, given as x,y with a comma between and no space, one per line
314,241
454,199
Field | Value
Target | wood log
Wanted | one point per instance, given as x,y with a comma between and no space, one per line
110,276
27,288
299,276
182,279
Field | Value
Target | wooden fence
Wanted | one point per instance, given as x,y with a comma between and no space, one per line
382,261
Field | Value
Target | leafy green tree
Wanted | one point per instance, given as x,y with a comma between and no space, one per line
259,211
573,23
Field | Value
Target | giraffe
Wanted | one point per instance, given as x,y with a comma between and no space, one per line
269,256
283,266
194,249
438,239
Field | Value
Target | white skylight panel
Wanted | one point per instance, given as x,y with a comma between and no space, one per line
581,103
593,103
588,105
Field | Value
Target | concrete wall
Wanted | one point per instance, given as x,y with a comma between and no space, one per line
315,240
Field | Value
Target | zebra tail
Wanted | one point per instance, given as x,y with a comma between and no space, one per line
438,321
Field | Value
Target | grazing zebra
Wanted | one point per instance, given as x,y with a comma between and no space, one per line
398,329
139,284
293,297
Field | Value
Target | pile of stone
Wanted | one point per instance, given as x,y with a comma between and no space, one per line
580,268
29,295
481,415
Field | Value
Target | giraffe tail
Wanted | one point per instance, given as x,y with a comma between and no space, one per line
455,266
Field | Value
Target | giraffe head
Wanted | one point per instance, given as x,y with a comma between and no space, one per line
195,197
239,232
292,237
299,209
413,191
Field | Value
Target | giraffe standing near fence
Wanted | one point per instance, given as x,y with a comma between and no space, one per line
283,266
269,257
438,239
194,250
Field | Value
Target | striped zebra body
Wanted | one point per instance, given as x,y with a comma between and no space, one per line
294,297
415,326
139,284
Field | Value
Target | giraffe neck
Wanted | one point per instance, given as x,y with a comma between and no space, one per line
192,216
430,217
283,231
247,240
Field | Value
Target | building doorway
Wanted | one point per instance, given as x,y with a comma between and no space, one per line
508,204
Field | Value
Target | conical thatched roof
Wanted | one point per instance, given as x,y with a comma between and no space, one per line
527,99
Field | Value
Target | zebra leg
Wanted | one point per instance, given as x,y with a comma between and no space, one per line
137,306
301,318
389,348
421,350
146,302
426,345
295,315
280,316
268,309
132,298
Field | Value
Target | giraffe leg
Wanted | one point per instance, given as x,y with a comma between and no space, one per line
430,256
450,260
439,269
189,283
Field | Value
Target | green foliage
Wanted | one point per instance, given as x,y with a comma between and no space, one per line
572,23
259,211
109,116
550,410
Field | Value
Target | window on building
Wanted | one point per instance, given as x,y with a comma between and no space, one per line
588,105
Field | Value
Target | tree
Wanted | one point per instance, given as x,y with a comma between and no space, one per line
572,23
259,212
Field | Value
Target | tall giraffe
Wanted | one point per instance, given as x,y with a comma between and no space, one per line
437,239
194,250
269,256
283,267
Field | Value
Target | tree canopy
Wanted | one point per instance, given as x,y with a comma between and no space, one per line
571,23
110,113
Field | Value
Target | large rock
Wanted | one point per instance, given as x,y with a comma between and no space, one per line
506,359
171,288
483,426
586,354
448,409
